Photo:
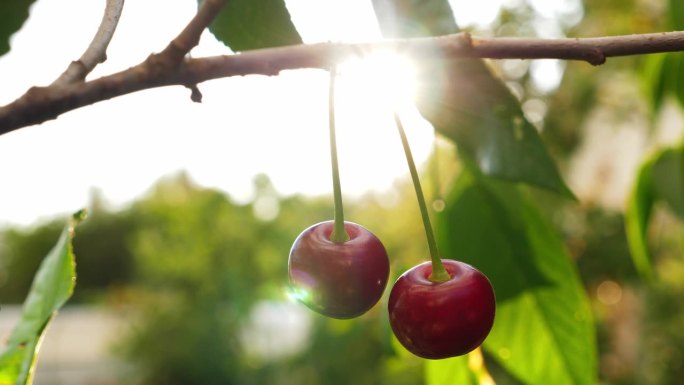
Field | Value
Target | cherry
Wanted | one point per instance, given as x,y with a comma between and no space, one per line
446,319
341,279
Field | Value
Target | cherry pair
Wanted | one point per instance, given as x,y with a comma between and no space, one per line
437,309
431,319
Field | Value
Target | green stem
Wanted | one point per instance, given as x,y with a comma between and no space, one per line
439,273
339,234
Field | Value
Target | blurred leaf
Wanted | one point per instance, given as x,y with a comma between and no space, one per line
451,371
13,14
668,179
663,74
52,286
671,78
543,332
660,177
414,18
654,83
467,103
251,24
462,370
676,14
637,214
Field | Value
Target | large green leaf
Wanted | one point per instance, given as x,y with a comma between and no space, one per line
251,24
464,101
467,104
452,371
543,332
13,13
52,286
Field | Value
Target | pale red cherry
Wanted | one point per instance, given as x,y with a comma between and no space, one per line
338,279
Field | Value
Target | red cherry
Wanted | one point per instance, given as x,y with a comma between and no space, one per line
338,279
440,320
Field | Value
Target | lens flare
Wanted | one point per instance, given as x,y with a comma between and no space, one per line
389,77
296,294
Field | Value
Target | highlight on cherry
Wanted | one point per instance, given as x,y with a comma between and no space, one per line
338,279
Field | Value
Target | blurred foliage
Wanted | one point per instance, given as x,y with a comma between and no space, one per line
105,262
200,263
13,13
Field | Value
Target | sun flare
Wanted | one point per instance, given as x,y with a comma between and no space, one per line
388,77
369,90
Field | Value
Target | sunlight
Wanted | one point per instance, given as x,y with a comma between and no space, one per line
242,126
480,13
369,90
388,76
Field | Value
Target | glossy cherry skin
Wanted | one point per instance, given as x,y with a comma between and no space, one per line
339,280
440,320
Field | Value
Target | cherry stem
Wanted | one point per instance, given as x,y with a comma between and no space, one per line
439,273
339,234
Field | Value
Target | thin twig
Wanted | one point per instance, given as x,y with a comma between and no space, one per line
40,104
172,56
96,52
190,36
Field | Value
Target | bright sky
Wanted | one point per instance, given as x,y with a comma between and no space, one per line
244,126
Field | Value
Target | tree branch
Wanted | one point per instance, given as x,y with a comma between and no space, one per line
96,51
40,104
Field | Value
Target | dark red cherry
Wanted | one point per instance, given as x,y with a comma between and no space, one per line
440,320
338,279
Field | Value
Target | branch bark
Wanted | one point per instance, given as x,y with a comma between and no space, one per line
169,67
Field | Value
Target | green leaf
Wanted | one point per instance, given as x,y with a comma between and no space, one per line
251,24
451,371
639,206
676,14
465,102
653,82
663,74
671,76
668,179
463,370
52,286
13,14
543,331
414,18
660,178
